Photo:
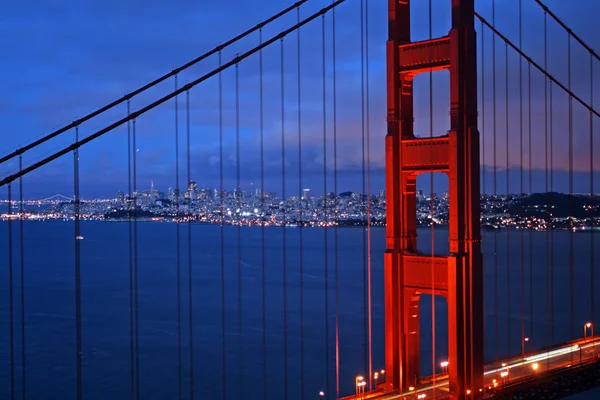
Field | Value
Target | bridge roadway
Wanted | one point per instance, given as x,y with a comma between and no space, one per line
509,371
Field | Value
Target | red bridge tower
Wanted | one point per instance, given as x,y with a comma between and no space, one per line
408,274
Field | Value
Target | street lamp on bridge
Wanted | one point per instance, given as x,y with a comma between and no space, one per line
590,326
444,365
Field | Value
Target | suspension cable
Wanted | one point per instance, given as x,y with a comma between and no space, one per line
571,243
432,207
522,188
262,223
335,210
592,224
531,191
536,65
239,229
131,305
177,246
169,96
325,215
301,224
497,336
76,205
548,215
189,240
22,280
284,236
130,95
362,199
368,116
508,263
135,262
222,199
483,135
551,217
11,340
569,30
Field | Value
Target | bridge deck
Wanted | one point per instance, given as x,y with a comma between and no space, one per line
507,371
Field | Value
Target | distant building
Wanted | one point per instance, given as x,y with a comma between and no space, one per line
120,197
306,194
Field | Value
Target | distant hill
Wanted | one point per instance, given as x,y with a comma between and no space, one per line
565,205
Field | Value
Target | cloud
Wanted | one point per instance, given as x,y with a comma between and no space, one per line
71,58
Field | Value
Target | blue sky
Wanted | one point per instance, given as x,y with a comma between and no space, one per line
65,58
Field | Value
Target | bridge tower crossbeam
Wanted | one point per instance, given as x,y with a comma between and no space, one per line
409,274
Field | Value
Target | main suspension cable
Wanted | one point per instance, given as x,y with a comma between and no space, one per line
536,65
155,82
593,54
169,96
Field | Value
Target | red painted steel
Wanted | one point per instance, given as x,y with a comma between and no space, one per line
408,275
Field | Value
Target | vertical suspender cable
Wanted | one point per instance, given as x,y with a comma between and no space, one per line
432,207
483,165
239,229
367,105
284,217
325,216
11,340
262,222
222,199
522,188
301,224
551,101
508,296
131,319
571,244
335,212
189,240
135,264
548,214
592,225
77,268
177,245
531,191
495,178
22,259
362,201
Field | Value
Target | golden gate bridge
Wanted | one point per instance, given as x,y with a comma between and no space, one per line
475,56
